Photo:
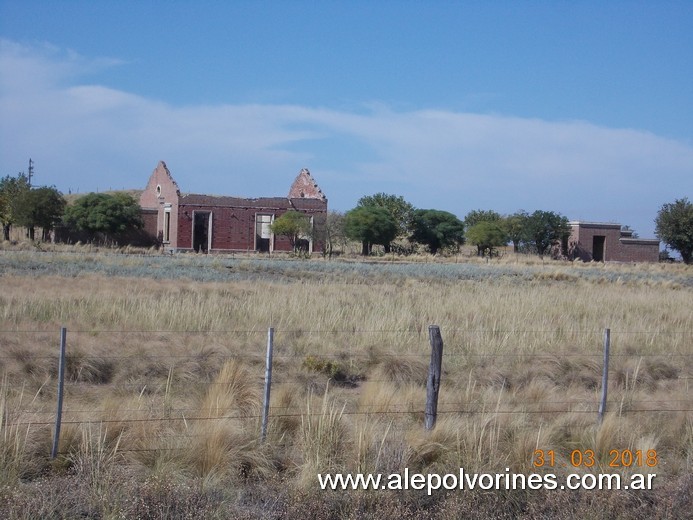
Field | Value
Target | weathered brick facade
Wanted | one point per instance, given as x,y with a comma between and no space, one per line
601,242
208,223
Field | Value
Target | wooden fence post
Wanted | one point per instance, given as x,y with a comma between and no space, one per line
61,384
268,382
605,374
434,370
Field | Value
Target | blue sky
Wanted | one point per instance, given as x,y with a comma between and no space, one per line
585,107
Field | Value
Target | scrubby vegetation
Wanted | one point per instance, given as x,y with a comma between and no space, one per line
165,369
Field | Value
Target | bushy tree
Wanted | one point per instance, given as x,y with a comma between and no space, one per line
400,210
674,227
370,225
41,207
104,215
481,215
546,230
437,229
481,235
516,228
12,192
293,225
487,236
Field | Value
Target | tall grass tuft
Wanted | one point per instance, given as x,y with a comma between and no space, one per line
323,437
13,440
224,441
24,441
233,391
97,457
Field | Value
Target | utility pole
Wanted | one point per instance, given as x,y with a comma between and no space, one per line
31,170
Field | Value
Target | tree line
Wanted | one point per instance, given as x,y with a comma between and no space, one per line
397,226
99,217
540,232
377,220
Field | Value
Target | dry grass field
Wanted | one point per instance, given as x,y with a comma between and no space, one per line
165,369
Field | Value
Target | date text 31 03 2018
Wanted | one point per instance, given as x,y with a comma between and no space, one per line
587,459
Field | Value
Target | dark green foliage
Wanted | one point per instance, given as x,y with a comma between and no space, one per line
487,236
21,205
104,214
481,215
41,207
516,228
674,226
437,229
12,191
370,225
545,230
400,210
294,226
337,372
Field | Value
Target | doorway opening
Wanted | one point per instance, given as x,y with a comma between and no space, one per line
598,242
202,231
263,233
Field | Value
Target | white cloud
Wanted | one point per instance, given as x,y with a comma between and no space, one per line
86,137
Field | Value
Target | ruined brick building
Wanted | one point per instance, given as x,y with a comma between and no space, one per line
206,223
601,242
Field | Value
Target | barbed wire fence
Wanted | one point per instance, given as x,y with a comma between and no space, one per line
69,372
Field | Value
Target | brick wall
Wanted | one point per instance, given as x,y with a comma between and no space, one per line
232,218
150,219
161,191
618,246
233,227
634,250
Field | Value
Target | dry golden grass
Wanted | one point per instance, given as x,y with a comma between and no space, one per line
164,377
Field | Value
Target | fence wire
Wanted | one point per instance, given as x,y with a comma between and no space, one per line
28,399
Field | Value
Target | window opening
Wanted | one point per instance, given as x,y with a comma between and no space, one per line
167,224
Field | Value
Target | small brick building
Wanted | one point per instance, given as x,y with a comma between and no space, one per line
206,223
601,242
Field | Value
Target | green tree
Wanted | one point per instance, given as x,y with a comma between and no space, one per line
370,225
516,228
104,215
41,207
481,215
477,216
437,229
293,225
12,191
674,227
546,230
400,210
487,236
